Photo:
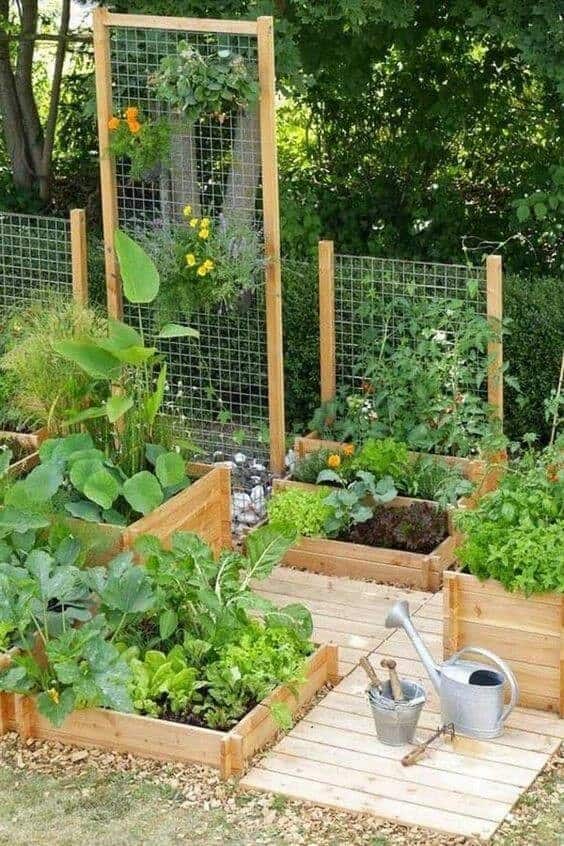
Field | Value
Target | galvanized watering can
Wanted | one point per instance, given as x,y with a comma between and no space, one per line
471,694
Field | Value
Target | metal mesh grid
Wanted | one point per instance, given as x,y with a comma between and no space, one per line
215,167
35,259
362,280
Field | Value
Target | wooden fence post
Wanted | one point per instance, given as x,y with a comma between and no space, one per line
271,214
102,66
327,362
494,294
79,256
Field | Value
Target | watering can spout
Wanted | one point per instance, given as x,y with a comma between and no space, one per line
398,617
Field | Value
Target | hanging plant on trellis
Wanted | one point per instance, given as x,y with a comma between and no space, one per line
198,85
144,142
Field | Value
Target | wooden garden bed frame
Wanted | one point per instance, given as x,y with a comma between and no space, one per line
204,508
359,561
527,631
161,740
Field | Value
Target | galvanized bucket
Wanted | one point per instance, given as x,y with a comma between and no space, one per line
396,721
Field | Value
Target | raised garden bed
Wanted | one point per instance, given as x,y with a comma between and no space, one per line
229,752
24,445
357,561
527,631
484,474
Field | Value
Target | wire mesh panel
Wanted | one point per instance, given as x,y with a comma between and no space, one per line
35,259
369,293
219,384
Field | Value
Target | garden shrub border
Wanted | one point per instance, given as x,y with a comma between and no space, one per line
526,631
163,740
357,561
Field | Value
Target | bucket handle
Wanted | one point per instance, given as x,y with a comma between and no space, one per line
505,669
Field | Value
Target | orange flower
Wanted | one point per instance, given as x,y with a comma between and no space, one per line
367,388
134,126
131,114
334,461
114,123
348,450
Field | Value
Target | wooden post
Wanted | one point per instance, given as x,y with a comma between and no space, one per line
107,165
327,363
23,713
271,213
451,601
79,254
561,659
494,294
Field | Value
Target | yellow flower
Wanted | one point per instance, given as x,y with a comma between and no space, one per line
348,450
113,123
205,222
209,264
187,211
54,695
204,233
334,461
202,270
190,259
194,222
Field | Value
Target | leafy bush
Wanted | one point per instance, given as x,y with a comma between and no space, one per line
419,528
301,511
308,468
384,457
516,533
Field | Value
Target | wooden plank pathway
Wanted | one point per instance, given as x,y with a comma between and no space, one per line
332,756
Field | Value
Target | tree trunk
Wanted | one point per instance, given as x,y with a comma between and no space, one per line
51,122
12,118
179,185
244,175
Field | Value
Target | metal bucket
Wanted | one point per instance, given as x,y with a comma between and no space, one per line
396,721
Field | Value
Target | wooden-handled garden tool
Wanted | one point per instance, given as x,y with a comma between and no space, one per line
395,684
371,673
417,753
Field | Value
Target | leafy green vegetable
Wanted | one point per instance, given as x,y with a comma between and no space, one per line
302,511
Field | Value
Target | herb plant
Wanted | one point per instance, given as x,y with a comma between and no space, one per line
198,84
431,477
516,533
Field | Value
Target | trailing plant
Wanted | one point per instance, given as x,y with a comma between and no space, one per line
123,358
43,385
422,369
204,263
302,511
516,533
74,476
43,596
418,528
198,84
144,142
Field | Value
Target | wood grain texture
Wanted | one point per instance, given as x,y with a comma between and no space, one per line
326,258
79,255
494,297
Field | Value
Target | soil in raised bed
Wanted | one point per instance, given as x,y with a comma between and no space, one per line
418,528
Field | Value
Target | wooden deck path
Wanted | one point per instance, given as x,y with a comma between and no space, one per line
332,756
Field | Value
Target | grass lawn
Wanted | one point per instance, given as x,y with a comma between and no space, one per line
49,795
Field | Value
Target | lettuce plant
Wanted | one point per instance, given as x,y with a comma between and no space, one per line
301,511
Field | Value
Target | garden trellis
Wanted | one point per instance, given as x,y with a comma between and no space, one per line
228,386
40,257
350,287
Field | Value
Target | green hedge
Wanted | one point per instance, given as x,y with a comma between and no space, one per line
533,349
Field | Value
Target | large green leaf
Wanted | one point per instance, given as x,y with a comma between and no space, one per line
139,274
128,587
176,330
265,549
143,492
82,470
90,356
14,520
102,488
44,481
136,354
154,400
117,405
170,469
84,510
56,709
60,449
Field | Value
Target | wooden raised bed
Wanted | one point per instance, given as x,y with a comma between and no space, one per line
527,631
170,741
358,561
28,441
484,474
204,508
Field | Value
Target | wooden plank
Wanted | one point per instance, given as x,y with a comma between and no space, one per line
494,295
351,800
182,24
471,786
79,254
271,217
326,257
108,187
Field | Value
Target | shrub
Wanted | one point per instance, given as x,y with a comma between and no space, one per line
301,511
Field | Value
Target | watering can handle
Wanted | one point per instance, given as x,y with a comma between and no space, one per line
505,669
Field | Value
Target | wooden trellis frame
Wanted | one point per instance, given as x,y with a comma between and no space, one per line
262,29
327,332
